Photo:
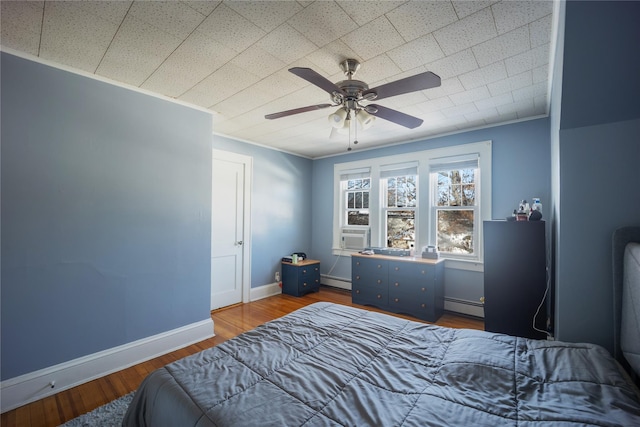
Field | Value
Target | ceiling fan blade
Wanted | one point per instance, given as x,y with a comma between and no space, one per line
420,81
312,77
297,111
394,116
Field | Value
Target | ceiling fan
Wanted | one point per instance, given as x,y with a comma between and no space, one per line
349,95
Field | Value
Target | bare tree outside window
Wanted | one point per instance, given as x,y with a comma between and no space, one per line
357,201
456,211
400,211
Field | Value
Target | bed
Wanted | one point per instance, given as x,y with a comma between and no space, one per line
332,365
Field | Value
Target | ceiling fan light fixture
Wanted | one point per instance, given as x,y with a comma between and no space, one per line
365,119
338,118
344,130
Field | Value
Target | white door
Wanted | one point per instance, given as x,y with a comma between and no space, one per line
230,234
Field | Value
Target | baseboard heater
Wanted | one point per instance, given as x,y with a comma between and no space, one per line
463,306
336,282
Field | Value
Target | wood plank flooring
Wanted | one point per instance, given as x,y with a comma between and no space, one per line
228,322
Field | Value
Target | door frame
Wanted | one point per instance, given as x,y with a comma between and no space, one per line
246,220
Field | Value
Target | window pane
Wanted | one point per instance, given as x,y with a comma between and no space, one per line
402,191
401,231
354,184
358,218
455,231
468,195
365,200
391,198
455,197
358,199
468,176
351,201
457,188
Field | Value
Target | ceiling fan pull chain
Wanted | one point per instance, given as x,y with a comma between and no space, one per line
355,127
349,121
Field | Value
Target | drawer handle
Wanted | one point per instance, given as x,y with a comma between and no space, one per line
397,268
304,284
396,300
423,289
422,305
379,296
304,271
357,291
357,277
424,272
379,281
316,269
396,284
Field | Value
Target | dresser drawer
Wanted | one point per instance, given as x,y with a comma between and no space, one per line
372,295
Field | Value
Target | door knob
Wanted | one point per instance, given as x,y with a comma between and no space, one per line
239,242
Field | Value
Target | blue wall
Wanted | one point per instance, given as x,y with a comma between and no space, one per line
601,63
597,155
106,197
521,170
281,213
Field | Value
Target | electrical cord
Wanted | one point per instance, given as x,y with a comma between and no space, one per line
335,263
546,292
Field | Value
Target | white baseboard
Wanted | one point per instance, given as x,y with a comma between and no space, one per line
336,282
470,308
36,385
265,291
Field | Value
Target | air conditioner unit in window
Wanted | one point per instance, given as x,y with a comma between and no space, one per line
355,238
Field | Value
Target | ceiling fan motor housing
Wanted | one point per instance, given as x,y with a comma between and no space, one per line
352,92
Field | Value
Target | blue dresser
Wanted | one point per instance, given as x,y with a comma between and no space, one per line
408,285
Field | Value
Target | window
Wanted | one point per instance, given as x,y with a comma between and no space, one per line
400,196
355,186
455,208
435,197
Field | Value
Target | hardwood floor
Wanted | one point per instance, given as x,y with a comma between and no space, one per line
228,322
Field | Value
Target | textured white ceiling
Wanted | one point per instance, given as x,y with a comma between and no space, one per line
232,57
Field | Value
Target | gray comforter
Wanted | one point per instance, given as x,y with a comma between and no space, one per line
328,364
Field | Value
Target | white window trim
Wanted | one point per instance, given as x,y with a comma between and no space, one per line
425,235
